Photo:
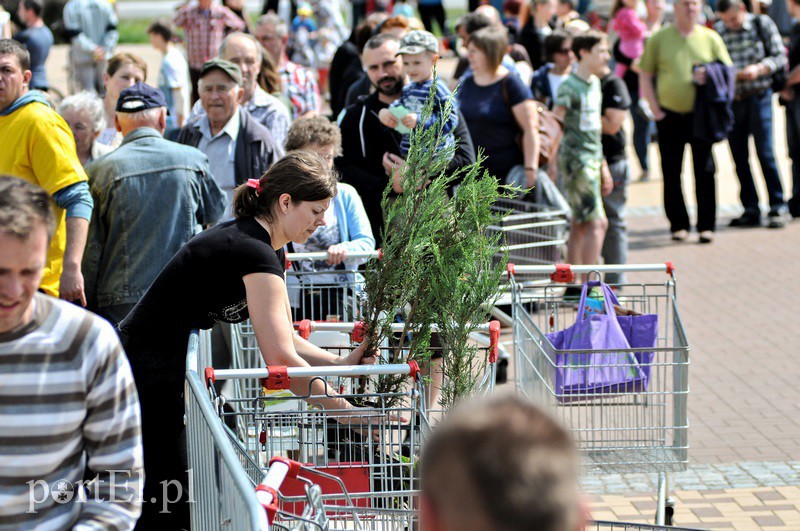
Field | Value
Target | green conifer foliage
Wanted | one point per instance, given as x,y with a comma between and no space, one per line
439,262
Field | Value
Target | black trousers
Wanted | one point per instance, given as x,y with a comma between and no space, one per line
429,13
158,369
674,132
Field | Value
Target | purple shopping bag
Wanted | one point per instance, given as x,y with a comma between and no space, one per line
641,331
603,367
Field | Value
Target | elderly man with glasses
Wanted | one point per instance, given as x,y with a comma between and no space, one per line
238,147
244,51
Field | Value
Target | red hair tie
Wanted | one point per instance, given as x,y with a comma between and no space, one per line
255,183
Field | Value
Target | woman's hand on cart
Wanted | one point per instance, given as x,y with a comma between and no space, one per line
336,254
359,356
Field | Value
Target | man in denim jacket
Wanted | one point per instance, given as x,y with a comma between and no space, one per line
151,196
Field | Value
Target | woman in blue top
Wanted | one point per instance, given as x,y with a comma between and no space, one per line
497,105
346,231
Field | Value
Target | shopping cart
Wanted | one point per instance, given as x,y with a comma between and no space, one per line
322,294
309,511
221,490
340,338
638,429
373,450
531,234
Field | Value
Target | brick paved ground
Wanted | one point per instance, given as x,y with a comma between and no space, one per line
736,298
739,509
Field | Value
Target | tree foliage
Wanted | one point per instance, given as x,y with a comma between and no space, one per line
440,263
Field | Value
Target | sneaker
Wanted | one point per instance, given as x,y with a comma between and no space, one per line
706,236
680,235
776,219
645,176
746,220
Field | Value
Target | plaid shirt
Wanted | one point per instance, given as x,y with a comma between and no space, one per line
204,30
300,87
749,46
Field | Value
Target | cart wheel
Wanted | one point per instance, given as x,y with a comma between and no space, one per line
501,376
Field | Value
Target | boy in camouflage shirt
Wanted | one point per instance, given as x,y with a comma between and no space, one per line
580,157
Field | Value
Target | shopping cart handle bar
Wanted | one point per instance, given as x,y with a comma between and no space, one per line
358,328
310,372
563,269
322,255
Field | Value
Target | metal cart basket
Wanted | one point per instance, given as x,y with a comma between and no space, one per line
637,429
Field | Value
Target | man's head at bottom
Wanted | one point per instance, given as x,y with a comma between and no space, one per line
500,464
26,227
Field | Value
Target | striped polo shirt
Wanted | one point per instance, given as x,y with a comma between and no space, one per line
68,404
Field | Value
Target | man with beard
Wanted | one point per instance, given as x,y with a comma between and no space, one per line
370,150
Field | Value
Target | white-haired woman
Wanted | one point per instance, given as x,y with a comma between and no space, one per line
86,117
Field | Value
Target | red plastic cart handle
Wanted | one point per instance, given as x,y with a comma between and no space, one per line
293,466
272,507
494,340
304,328
670,269
359,331
414,369
278,378
563,273
209,374
510,269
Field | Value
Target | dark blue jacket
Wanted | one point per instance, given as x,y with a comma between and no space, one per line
713,113
540,86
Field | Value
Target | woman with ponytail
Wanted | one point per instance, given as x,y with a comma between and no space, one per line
231,272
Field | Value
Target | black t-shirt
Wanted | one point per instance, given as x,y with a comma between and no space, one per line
615,96
200,285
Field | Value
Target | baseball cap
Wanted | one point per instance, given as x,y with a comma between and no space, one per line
305,10
418,41
140,97
233,71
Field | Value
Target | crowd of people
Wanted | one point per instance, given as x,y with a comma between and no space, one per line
174,202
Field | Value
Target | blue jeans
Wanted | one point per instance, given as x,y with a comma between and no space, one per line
642,134
615,244
793,141
753,116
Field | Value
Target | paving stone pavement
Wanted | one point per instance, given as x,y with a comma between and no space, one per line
738,509
735,298
745,474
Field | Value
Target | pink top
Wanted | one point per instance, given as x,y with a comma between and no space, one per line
631,30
